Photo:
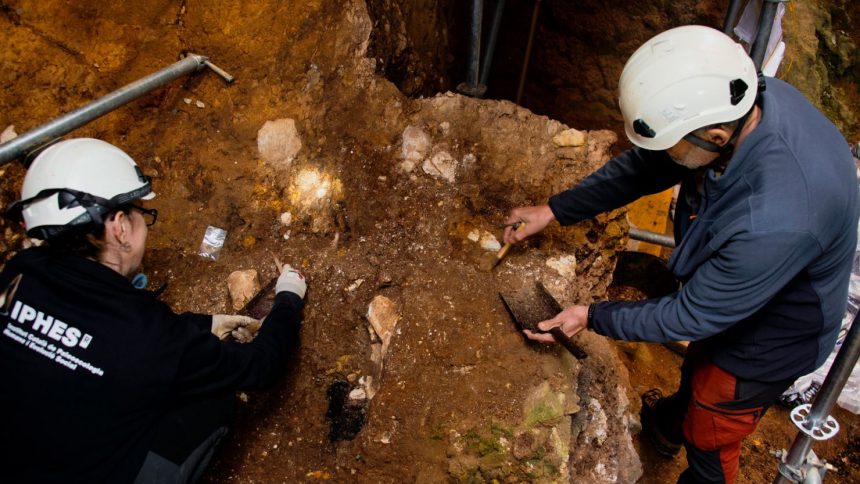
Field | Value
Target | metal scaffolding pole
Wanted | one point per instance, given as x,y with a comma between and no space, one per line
790,468
41,135
765,25
731,17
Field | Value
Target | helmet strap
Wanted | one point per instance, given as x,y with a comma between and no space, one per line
725,149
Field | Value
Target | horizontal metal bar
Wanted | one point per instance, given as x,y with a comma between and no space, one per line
19,146
652,237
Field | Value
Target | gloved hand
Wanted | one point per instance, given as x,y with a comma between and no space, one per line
242,328
291,280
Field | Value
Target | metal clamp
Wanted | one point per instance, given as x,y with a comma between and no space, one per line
823,431
811,470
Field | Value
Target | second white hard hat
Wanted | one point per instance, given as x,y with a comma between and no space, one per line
681,80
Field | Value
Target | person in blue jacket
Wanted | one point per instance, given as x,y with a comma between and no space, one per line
765,229
102,382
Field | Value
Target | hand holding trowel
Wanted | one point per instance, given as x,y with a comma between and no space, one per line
531,309
523,222
490,261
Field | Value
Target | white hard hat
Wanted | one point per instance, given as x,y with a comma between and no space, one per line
681,80
75,183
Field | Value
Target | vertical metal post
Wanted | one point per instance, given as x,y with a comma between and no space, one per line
765,24
824,401
475,51
731,17
471,87
491,42
525,68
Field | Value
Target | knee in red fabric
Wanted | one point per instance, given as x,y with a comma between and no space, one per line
710,426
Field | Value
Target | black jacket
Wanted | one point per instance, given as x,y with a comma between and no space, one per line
88,364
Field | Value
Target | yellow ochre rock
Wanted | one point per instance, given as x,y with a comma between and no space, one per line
569,137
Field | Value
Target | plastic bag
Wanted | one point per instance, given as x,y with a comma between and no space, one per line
213,241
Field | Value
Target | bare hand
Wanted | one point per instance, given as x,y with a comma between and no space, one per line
571,321
242,328
534,219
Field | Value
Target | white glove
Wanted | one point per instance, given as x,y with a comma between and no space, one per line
292,281
242,328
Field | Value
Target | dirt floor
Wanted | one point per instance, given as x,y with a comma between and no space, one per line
460,396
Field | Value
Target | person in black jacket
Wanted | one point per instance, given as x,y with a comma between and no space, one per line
101,382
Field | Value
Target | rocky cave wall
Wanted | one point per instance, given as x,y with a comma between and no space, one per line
580,49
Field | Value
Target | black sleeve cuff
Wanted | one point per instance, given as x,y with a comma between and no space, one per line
288,299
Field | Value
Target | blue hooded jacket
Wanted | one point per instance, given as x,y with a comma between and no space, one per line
764,250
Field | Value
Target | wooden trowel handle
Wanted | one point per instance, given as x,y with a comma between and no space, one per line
504,250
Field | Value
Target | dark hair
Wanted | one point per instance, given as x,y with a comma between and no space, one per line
84,240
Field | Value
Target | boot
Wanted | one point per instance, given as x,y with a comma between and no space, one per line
661,422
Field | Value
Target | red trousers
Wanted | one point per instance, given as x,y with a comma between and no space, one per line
719,410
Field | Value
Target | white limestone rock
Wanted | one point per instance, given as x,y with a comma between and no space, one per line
383,317
564,265
569,137
278,142
8,134
415,147
442,165
242,286
489,242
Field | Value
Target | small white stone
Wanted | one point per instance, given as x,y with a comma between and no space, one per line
474,235
441,165
415,145
358,394
187,100
564,265
200,104
445,126
355,285
8,134
286,219
489,242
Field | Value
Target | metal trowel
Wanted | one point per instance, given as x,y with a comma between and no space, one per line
527,308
